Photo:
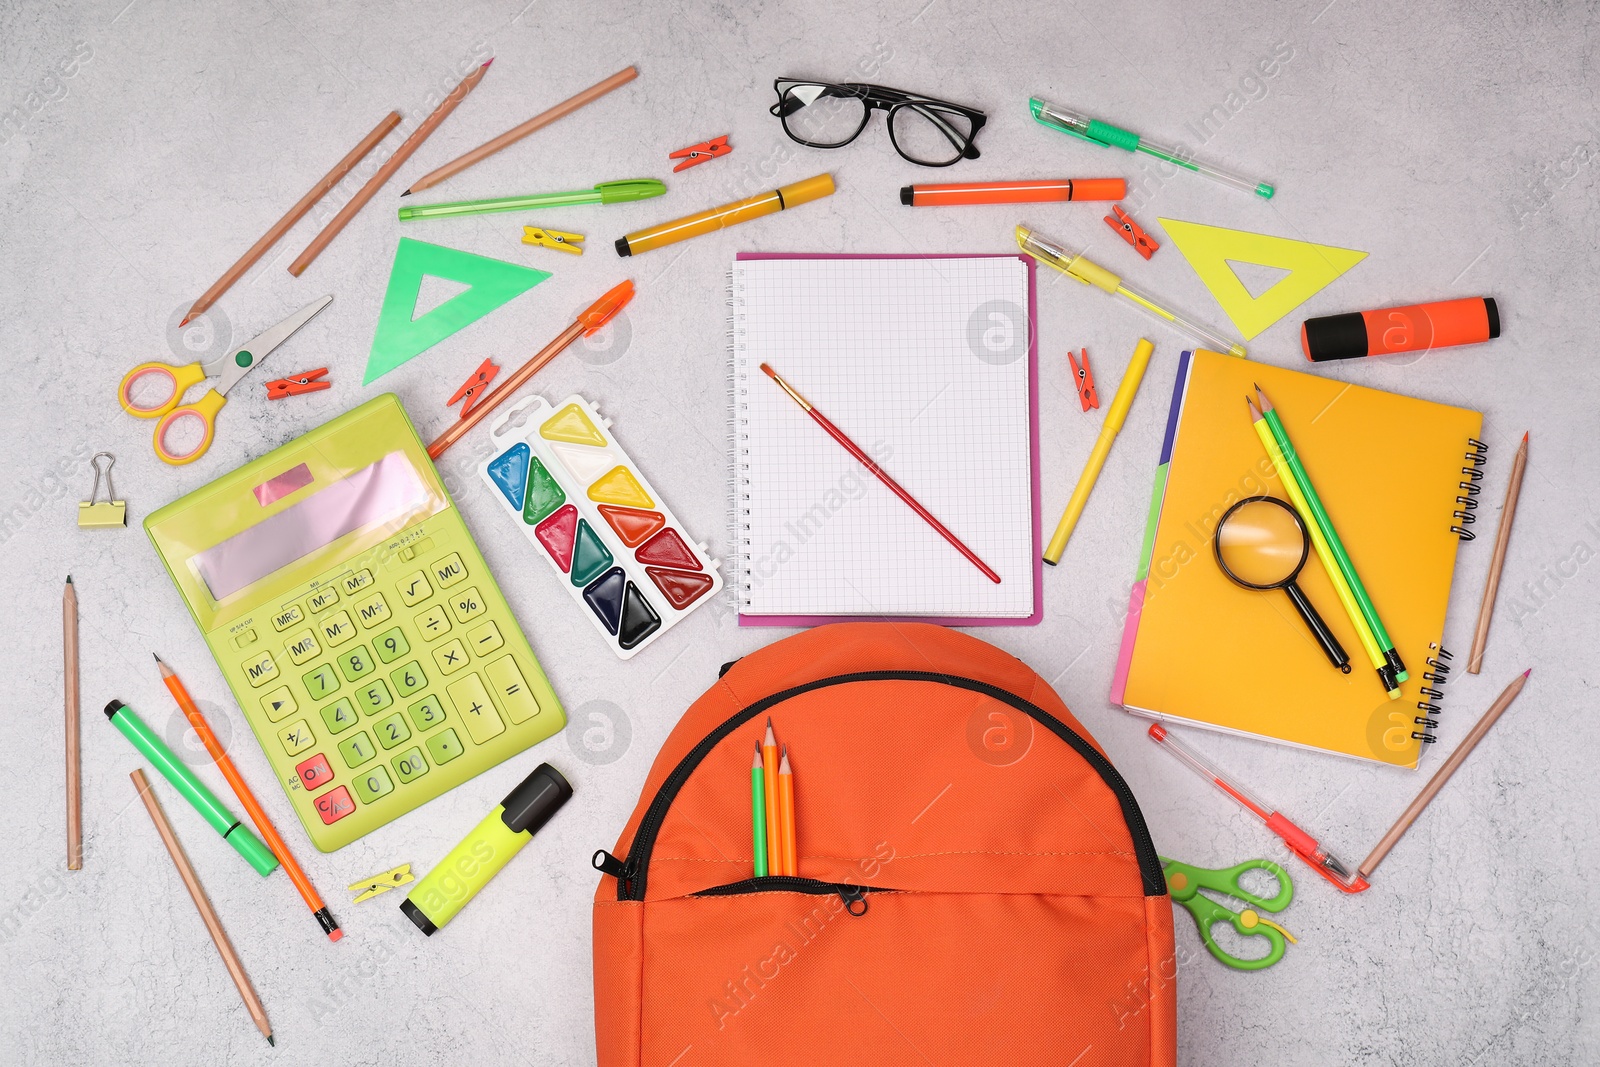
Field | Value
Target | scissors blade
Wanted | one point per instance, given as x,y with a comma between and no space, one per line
248,356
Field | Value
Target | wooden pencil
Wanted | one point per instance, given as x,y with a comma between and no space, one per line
1442,775
294,215
1502,537
517,133
786,842
208,915
69,657
387,171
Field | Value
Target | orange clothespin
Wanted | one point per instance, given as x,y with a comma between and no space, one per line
295,384
697,154
472,389
1083,380
1131,232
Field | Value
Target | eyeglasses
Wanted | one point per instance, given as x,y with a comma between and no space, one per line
925,131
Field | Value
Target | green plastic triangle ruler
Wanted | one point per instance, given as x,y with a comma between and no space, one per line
490,282
1311,268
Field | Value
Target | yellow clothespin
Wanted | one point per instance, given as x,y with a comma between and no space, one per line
565,242
368,888
109,512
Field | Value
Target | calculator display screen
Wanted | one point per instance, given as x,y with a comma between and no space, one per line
388,495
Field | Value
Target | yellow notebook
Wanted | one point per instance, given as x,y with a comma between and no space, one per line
1399,478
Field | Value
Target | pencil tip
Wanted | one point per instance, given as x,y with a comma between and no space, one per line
487,62
406,193
1527,672
155,657
69,579
1524,436
183,322
271,1042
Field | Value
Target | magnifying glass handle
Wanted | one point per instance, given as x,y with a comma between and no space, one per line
1319,629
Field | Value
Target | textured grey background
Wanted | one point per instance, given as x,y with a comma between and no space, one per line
1457,144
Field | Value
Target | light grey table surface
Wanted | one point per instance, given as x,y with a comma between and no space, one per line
1458,145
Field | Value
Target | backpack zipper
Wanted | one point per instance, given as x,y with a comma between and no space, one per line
850,893
631,874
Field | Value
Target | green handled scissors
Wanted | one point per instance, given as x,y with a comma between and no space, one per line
1184,883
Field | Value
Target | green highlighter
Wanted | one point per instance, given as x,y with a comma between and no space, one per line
193,789
620,192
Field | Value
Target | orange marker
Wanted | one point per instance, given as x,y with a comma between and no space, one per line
1409,329
791,860
1044,190
264,827
769,777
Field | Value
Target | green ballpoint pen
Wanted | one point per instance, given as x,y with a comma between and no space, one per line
621,192
1094,131
184,780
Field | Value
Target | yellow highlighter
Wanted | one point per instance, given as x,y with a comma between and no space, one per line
436,899
1102,448
1075,265
814,188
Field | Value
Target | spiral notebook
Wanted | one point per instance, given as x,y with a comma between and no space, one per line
927,363
1400,479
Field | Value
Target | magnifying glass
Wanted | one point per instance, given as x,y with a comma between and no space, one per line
1262,543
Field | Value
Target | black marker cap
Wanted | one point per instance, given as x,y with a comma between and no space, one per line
1494,315
906,194
1334,337
114,707
622,247
530,805
414,913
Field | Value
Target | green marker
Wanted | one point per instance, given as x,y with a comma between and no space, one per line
622,192
1319,515
183,779
1103,133
436,899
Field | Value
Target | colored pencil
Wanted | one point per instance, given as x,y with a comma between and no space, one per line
387,171
517,133
294,215
208,915
69,676
791,859
258,816
1319,515
1115,417
758,813
1319,541
882,475
1442,775
1508,511
769,785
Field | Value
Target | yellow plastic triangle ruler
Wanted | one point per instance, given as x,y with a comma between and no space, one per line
1209,248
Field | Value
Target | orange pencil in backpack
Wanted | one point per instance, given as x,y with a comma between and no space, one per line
791,858
769,768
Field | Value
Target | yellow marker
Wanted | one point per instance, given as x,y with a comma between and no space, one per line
814,188
1088,272
1102,448
1324,551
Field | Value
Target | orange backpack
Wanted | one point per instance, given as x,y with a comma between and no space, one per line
976,883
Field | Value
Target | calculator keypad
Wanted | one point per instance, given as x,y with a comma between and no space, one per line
391,714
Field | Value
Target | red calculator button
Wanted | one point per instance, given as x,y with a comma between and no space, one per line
314,773
335,805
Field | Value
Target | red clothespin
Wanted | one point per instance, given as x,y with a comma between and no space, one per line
697,154
472,389
1131,232
1083,380
295,384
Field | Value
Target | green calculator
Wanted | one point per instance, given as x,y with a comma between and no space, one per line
360,630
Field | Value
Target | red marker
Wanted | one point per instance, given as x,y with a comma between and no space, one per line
1405,329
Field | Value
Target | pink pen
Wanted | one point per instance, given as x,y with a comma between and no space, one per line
1300,843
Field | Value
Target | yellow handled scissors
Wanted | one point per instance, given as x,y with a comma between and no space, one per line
227,368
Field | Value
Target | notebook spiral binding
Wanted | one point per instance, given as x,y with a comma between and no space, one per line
1467,503
738,448
1432,693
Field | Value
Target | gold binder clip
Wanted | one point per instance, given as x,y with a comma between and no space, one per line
111,512
557,239
368,888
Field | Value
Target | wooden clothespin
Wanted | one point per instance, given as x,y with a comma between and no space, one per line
295,384
1083,380
1131,232
368,888
472,389
697,154
561,242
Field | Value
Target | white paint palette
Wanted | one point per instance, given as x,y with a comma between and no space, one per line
589,510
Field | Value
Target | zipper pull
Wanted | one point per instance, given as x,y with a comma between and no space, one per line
606,863
852,896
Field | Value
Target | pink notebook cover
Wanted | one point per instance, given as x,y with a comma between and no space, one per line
1033,446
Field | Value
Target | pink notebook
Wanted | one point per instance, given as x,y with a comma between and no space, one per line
929,364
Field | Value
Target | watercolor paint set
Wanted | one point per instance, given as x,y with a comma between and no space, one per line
583,501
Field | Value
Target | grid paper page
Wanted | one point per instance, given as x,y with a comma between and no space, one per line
924,364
